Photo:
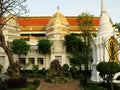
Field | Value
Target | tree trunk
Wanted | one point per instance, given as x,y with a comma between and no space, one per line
111,82
85,61
6,49
14,68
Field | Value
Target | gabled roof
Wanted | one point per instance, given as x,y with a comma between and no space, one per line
43,21
33,21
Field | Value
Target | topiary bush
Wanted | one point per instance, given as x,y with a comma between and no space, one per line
95,87
74,72
66,67
66,70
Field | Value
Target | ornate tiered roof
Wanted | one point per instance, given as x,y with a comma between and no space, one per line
43,20
57,18
57,26
39,23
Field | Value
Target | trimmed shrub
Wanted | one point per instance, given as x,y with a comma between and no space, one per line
82,80
101,88
74,73
95,87
66,67
42,73
66,70
87,73
18,82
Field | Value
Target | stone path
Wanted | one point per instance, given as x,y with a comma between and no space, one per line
68,86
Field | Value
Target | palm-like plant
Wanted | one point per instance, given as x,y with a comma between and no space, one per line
117,25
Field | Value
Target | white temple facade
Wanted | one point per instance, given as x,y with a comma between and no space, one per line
104,44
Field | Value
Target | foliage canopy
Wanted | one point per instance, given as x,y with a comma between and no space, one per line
15,7
117,25
44,46
73,43
20,46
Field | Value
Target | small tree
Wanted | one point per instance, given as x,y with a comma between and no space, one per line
108,70
65,67
85,23
20,46
44,46
75,47
77,59
102,68
35,70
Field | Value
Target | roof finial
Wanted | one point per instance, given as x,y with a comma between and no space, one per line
58,8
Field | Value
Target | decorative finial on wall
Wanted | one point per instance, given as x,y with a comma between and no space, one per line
58,8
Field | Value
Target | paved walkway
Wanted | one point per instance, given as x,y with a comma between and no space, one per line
68,86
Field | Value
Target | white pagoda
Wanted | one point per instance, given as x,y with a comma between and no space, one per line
105,45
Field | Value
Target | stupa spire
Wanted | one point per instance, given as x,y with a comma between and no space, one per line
103,8
105,27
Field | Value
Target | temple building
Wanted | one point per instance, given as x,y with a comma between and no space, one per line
32,29
106,44
54,28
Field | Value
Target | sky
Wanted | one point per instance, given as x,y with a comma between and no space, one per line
73,7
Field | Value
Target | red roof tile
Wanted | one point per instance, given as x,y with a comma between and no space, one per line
96,21
43,21
72,21
33,21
